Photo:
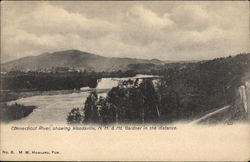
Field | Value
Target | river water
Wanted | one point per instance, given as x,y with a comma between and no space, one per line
55,108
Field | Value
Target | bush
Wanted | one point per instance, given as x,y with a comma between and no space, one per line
15,111
75,116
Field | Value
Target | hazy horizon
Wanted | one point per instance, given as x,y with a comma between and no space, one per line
161,30
124,57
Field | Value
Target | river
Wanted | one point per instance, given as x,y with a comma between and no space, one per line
55,108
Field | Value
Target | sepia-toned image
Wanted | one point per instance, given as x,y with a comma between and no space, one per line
125,80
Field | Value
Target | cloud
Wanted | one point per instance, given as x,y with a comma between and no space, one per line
142,26
166,30
48,19
138,15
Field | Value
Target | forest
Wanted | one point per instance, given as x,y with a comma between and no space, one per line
41,81
183,93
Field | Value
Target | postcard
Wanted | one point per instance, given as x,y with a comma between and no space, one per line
125,81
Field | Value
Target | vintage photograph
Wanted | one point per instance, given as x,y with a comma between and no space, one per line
124,62
107,63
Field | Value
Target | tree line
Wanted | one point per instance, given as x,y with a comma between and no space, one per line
17,80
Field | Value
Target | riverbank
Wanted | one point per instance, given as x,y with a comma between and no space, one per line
104,85
7,96
14,112
14,95
54,106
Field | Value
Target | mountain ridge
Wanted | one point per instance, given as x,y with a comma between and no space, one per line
74,58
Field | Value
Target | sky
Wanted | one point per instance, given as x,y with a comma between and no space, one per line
166,30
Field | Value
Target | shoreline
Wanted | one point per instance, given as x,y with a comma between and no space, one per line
14,95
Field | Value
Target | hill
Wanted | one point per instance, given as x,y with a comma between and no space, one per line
74,58
214,91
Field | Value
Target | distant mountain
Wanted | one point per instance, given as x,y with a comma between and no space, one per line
74,58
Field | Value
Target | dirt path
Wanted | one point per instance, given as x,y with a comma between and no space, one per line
210,114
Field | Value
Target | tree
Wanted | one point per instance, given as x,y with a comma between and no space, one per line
74,117
150,101
90,109
107,111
